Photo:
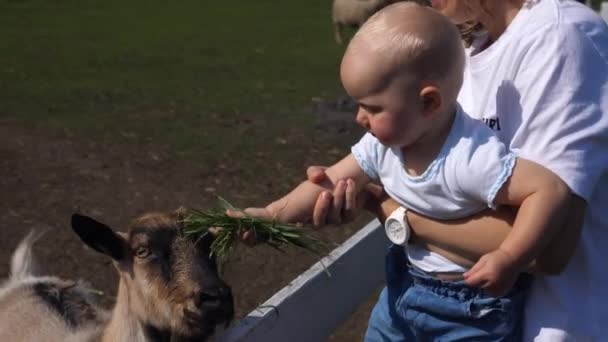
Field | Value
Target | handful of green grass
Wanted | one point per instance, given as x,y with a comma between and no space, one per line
229,229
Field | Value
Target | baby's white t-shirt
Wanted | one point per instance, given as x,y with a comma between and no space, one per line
464,178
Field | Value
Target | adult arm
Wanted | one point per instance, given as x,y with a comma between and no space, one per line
462,241
465,240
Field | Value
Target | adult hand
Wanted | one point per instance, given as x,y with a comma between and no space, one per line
495,273
334,207
342,205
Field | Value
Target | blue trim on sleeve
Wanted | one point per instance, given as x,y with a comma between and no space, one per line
370,171
506,172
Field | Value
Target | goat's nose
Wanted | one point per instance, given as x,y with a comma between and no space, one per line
224,292
212,296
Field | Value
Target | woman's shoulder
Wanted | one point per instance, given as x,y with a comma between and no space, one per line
556,27
562,17
561,27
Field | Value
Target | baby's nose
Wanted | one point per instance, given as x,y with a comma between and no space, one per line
362,119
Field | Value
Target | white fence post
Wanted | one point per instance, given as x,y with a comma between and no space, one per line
312,306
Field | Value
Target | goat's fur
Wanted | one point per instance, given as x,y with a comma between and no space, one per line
22,262
353,13
45,308
169,289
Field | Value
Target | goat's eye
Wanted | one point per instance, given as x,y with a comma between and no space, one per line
142,252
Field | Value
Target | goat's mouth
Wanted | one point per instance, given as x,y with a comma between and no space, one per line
204,322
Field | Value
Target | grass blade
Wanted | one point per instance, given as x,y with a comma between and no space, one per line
197,222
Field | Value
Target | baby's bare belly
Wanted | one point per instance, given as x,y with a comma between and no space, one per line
457,259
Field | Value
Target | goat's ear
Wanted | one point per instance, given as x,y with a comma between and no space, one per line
179,214
98,236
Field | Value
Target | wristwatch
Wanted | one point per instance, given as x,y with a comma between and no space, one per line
396,227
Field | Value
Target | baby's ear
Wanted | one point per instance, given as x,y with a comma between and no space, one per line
430,98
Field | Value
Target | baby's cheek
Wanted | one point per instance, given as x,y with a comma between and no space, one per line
393,130
385,137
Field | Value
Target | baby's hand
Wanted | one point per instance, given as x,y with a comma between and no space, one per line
495,273
248,236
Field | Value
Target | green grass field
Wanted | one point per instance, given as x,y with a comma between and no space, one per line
205,79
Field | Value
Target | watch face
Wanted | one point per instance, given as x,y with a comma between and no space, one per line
396,232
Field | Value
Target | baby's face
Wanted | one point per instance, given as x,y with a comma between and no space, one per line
389,104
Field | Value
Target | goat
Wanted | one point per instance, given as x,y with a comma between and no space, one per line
169,289
354,13
45,308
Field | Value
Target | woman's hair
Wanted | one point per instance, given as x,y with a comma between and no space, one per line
470,30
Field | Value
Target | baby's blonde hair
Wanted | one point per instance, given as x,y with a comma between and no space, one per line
417,40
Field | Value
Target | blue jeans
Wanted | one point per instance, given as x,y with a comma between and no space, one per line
417,307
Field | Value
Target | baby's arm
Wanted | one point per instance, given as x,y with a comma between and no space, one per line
542,198
298,205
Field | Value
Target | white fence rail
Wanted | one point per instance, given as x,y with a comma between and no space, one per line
311,307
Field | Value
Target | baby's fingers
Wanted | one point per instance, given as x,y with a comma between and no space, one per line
235,213
475,269
316,174
214,230
252,212
248,237
477,280
476,275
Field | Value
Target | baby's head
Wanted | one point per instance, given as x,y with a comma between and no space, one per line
404,67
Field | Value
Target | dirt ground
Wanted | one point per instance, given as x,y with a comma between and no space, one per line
46,176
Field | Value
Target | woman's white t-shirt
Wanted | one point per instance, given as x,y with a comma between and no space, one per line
543,87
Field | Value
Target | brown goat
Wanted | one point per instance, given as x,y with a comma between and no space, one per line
169,288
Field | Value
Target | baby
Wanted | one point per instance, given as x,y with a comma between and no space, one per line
404,67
